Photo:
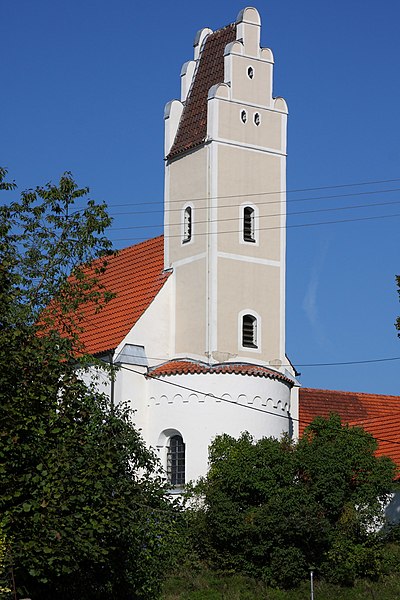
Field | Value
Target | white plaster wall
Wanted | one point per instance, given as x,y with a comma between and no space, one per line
266,135
153,329
131,387
190,308
196,410
253,287
97,377
186,182
200,407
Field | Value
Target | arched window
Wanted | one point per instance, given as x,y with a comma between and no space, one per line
249,331
176,460
249,224
187,224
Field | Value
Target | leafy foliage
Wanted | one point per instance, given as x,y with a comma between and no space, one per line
271,508
4,589
83,506
48,253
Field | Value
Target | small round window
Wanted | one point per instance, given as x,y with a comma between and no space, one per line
250,72
243,116
257,119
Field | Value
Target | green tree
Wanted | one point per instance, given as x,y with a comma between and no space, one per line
4,576
82,504
272,508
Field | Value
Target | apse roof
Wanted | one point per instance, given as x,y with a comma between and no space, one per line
190,367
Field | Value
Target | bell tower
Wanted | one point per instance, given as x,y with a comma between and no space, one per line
225,201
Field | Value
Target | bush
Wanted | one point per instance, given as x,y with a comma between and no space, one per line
270,509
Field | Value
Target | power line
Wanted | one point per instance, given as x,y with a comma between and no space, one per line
163,359
222,399
131,239
238,196
288,214
266,193
350,362
184,387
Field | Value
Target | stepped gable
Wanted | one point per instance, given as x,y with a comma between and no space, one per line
192,130
376,413
189,367
135,274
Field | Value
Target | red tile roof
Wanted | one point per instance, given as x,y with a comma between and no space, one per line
192,130
378,414
186,367
136,275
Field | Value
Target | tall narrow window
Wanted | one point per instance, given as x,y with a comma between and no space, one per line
176,460
249,331
248,224
187,224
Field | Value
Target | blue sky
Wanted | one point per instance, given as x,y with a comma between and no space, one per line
84,84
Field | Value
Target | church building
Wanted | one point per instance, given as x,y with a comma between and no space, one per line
197,327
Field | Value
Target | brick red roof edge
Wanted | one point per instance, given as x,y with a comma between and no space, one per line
192,129
377,413
186,367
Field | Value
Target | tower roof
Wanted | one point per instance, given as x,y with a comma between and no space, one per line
192,130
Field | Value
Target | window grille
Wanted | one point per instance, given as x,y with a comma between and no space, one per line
187,224
176,461
248,224
249,331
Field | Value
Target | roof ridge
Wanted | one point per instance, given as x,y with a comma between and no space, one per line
215,365
181,359
153,239
191,366
213,31
192,128
348,393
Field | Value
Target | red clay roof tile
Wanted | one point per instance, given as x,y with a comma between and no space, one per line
186,367
378,414
136,276
192,130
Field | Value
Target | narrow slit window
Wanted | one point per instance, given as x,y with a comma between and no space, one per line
249,224
176,461
187,224
249,332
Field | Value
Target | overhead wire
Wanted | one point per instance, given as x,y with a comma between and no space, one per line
349,362
293,225
288,201
246,406
237,196
301,365
288,214
266,193
236,231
